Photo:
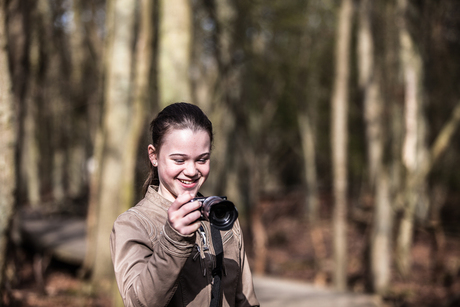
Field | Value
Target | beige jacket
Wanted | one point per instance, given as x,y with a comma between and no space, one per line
156,266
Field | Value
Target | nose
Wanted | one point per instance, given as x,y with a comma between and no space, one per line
190,170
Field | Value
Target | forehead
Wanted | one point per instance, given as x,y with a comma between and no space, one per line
186,140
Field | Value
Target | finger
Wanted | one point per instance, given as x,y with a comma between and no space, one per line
182,199
187,230
186,215
180,208
192,217
179,222
188,224
187,208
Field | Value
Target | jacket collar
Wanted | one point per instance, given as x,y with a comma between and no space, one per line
153,196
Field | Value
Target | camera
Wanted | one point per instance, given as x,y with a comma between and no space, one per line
219,211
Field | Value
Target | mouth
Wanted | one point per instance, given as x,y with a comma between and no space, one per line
187,182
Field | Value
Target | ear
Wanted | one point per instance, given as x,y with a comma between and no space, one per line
153,157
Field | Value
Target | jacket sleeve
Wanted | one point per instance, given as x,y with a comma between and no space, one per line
147,261
245,296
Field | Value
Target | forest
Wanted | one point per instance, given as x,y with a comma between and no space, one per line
336,134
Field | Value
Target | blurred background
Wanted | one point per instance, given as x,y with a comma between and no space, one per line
336,134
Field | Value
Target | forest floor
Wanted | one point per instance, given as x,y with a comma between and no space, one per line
293,252
299,251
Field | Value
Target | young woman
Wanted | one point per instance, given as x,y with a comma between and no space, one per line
163,253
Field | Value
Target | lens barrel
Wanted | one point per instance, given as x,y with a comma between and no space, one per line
219,211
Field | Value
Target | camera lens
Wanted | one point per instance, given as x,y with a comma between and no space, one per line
220,212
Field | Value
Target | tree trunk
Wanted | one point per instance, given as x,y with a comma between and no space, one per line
8,128
380,240
175,37
307,136
369,84
30,155
382,226
339,142
414,147
310,48
113,194
77,147
53,83
141,97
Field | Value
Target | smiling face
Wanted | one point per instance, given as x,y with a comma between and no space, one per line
182,161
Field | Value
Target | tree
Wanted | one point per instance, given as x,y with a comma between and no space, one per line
339,138
78,115
369,82
55,78
8,127
307,112
414,147
29,143
219,83
174,55
123,119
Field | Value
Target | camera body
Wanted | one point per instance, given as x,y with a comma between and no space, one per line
219,211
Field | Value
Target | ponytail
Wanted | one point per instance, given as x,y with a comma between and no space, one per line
152,179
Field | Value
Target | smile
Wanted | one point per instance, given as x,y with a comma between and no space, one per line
186,181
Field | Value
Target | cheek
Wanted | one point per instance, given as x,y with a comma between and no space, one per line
167,172
204,170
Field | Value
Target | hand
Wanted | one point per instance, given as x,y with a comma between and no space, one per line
183,215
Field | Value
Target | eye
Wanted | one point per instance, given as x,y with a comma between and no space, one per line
203,160
179,161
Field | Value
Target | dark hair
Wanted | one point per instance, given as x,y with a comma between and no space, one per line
179,116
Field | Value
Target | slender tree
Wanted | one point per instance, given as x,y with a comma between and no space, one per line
370,87
57,112
219,84
414,147
174,55
307,133
8,132
30,154
339,130
111,193
310,49
78,114
369,81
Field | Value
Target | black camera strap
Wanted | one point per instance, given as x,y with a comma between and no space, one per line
216,293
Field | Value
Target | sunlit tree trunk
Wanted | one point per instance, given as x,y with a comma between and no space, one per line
339,141
380,239
142,99
113,194
8,130
30,155
369,84
175,38
441,143
414,147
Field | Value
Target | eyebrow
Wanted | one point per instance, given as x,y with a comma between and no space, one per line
185,155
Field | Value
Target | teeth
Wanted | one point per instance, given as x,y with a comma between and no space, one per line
186,181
